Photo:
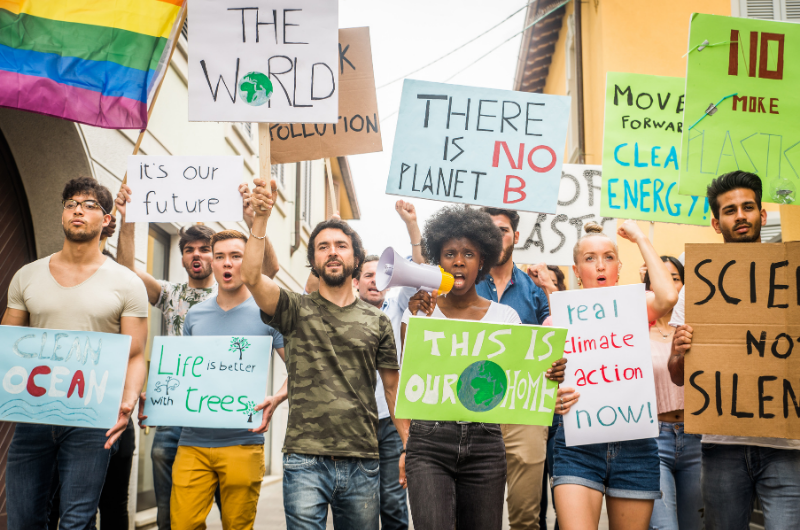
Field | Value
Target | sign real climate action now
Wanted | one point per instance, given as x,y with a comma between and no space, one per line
57,377
459,370
208,381
608,348
480,146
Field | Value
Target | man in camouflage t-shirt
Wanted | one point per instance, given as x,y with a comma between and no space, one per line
335,342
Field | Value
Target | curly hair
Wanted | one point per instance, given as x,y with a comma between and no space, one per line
355,239
91,187
456,222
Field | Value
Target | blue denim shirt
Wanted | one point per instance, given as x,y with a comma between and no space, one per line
524,296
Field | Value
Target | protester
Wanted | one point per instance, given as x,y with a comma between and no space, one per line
736,469
526,445
335,344
174,299
77,288
627,472
456,471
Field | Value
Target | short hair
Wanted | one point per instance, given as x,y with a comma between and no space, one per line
370,257
512,215
456,222
225,235
559,277
666,259
731,181
195,233
89,186
355,240
592,229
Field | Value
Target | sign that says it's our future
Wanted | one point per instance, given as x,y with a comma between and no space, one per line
264,61
166,189
210,381
58,377
551,238
358,130
482,146
742,107
458,370
641,146
743,304
608,347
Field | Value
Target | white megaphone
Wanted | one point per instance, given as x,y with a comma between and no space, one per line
395,271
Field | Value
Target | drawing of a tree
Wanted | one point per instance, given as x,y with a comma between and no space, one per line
239,344
250,410
170,384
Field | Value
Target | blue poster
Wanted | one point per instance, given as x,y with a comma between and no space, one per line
479,146
57,377
209,381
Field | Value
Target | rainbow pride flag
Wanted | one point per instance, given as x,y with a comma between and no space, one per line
91,61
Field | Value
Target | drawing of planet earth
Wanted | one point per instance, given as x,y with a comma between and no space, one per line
255,89
482,386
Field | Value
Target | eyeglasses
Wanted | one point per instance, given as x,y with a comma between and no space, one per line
89,204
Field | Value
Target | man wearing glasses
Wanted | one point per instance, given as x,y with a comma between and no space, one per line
77,288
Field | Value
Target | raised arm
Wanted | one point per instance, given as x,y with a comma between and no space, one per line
265,291
408,214
136,327
270,266
126,247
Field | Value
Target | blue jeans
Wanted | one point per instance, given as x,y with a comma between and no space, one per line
165,447
681,507
350,485
733,475
394,507
35,453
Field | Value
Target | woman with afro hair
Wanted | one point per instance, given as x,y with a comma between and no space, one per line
456,471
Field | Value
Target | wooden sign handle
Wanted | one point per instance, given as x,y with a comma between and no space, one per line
264,155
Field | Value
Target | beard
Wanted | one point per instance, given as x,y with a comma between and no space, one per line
79,236
730,236
506,255
205,271
336,280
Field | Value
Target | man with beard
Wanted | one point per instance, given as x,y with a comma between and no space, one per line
174,299
77,288
336,345
526,445
737,468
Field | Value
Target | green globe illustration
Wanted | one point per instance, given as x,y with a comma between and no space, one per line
482,386
255,88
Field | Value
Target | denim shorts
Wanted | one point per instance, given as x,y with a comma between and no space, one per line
626,470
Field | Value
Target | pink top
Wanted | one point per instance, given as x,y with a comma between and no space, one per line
668,395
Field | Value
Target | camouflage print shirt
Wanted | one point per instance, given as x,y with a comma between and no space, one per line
175,301
332,354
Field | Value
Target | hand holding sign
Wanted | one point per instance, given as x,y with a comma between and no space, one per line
263,198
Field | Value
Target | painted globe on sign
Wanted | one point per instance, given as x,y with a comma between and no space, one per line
255,89
482,386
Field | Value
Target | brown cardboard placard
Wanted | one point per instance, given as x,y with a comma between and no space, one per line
358,130
742,374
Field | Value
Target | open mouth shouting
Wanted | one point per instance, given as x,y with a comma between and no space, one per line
601,279
459,280
197,266
227,276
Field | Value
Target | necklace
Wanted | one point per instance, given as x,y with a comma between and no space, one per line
662,333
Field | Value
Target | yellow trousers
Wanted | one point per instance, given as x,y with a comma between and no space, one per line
526,449
196,472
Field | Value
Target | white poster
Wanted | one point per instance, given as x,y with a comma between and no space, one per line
167,189
550,238
265,61
608,347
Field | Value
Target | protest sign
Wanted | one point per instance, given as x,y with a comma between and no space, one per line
209,381
479,146
550,238
264,61
608,348
167,189
743,304
57,377
742,107
358,129
463,370
641,142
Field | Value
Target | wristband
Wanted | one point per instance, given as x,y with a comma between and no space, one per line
255,236
416,244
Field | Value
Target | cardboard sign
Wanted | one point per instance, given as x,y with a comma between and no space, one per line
188,189
608,347
209,381
551,238
747,80
57,377
459,370
741,375
479,146
641,146
358,129
264,61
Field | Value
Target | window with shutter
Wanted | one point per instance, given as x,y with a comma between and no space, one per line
792,10
788,10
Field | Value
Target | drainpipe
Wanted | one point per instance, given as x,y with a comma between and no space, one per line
296,243
579,68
